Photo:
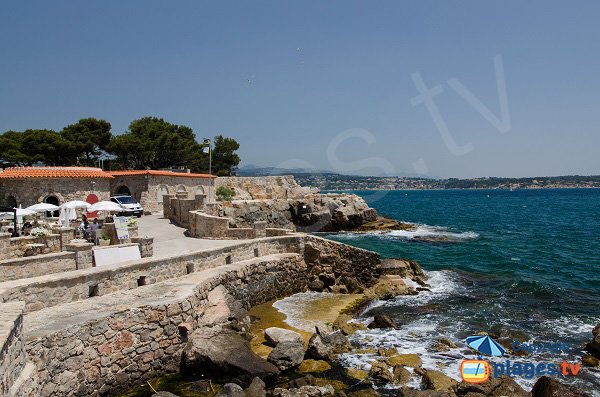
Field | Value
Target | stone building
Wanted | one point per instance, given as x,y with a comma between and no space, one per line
149,186
30,185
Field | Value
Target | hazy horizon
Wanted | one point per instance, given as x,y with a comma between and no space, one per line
445,89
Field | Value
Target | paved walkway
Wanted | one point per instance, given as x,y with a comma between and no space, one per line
169,239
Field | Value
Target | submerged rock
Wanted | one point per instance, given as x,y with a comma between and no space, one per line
383,321
313,366
305,391
307,380
364,393
590,361
275,335
287,355
550,387
344,324
224,353
387,352
231,390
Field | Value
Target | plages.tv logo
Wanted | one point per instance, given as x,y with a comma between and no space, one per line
478,371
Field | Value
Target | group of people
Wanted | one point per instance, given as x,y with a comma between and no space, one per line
89,229
25,229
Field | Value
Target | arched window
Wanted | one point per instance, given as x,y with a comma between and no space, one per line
200,190
162,191
181,189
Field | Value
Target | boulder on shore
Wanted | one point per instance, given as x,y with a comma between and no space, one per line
256,389
383,321
305,391
550,387
230,390
276,335
494,387
324,344
438,381
594,345
287,355
224,353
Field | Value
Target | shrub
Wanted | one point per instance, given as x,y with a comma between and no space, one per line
225,193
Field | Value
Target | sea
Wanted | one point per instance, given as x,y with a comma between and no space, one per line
520,265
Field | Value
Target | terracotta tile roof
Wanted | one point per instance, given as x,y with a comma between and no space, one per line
157,172
53,172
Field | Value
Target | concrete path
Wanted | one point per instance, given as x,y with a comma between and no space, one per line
169,239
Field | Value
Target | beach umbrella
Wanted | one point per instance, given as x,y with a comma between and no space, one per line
75,204
20,212
485,345
42,207
107,206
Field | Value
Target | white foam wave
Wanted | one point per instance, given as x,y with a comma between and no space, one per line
442,283
427,231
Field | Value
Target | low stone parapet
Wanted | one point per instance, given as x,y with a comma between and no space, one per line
41,292
34,266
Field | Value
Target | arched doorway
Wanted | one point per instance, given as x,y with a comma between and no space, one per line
52,200
10,201
123,191
161,192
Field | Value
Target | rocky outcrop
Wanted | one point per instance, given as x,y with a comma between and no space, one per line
305,391
550,387
224,353
312,213
287,355
594,345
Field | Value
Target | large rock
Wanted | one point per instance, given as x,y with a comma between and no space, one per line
494,387
408,392
224,353
164,394
383,321
401,374
550,387
325,344
287,355
231,390
275,335
407,360
224,310
256,388
313,366
345,324
438,381
390,286
594,345
381,371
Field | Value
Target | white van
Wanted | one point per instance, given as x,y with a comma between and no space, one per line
130,206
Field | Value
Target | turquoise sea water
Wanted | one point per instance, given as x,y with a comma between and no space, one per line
522,264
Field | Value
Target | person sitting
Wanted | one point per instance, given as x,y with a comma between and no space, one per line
26,229
12,232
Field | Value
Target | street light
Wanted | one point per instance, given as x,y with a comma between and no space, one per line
207,149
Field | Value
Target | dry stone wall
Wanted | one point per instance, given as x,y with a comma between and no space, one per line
34,266
265,187
109,354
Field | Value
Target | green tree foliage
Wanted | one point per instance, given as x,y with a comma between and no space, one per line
11,149
154,143
36,146
225,160
88,137
225,193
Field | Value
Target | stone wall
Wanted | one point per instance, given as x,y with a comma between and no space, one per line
177,207
33,266
57,289
265,187
157,184
16,375
17,247
111,352
35,190
202,225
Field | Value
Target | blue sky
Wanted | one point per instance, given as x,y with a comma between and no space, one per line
288,79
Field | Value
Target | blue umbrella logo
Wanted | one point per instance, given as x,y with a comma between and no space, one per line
485,345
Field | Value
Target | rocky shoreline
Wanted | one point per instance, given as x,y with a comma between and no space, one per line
221,361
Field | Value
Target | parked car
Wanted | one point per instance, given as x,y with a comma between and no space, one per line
129,204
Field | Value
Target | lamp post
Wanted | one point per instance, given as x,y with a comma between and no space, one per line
207,149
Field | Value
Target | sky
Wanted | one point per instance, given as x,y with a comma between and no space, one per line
440,88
